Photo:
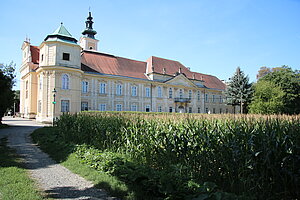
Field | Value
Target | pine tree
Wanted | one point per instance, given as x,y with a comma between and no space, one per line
239,90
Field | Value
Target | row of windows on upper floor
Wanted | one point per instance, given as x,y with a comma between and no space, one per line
134,90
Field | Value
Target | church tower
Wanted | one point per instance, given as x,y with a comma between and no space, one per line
88,41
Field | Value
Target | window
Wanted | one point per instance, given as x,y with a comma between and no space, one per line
147,92
84,106
159,109
41,82
206,110
199,110
133,107
39,106
26,87
147,108
65,82
134,91
119,89
65,106
198,96
42,57
214,110
170,109
159,93
85,85
66,56
226,110
190,94
190,109
213,98
206,97
180,94
102,89
119,107
170,93
102,107
220,110
221,100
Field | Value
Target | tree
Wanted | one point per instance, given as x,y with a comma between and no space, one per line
6,83
262,72
239,90
289,81
267,98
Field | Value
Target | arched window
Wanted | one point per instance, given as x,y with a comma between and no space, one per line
65,81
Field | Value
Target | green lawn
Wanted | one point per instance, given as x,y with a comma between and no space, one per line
14,181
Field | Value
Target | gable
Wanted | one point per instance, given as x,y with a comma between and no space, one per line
181,80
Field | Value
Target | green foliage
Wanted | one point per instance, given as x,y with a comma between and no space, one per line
289,81
267,98
14,181
168,155
239,90
6,83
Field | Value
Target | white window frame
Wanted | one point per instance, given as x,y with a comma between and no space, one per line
206,97
102,107
84,103
159,92
159,109
119,89
84,86
147,92
119,107
102,88
134,91
133,107
65,105
65,82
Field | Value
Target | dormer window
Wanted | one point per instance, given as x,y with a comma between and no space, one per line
66,56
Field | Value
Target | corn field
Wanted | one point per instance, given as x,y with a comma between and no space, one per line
242,154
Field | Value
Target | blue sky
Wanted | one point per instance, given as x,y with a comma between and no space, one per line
211,37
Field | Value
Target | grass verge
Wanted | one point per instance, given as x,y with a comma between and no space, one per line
63,154
14,181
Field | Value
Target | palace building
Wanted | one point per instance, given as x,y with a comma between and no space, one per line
64,75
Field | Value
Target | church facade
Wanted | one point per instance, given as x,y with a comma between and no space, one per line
61,76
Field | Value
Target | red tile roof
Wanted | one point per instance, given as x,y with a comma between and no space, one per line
171,67
109,64
35,53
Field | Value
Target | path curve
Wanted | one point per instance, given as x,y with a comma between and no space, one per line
57,181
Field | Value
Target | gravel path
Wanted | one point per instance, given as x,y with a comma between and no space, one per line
57,181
